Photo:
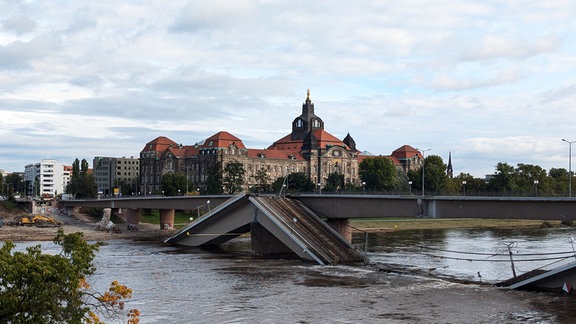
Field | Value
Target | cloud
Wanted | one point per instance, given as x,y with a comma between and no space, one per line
18,54
81,78
18,24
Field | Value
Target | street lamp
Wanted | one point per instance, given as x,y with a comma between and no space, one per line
423,163
536,187
464,187
363,186
569,166
410,186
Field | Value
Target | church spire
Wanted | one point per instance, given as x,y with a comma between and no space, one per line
308,95
449,170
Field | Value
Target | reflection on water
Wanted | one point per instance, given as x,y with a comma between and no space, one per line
176,285
472,254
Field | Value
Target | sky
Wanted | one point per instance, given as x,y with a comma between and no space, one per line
485,81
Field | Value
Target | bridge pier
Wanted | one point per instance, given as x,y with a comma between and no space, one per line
265,244
166,219
342,226
132,218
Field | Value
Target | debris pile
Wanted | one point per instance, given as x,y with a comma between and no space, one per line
105,224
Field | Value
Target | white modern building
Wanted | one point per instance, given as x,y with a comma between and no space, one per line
46,178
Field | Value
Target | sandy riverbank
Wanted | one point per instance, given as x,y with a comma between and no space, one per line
81,223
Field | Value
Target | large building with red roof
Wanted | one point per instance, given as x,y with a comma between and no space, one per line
308,148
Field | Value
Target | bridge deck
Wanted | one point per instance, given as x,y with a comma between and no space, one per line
289,221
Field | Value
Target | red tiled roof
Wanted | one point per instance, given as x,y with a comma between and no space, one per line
391,158
159,144
222,139
406,152
324,138
275,154
178,152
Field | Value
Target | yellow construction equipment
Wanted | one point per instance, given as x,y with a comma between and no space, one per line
39,221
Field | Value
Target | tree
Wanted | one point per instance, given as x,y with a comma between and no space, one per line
335,182
530,179
473,186
233,177
295,182
214,179
435,177
45,288
15,184
503,179
262,185
82,182
379,173
559,181
173,184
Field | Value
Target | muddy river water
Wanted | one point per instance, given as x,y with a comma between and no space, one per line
437,276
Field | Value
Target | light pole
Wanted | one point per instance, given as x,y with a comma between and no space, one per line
569,166
423,163
536,188
464,187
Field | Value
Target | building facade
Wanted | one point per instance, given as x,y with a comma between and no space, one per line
116,175
46,178
309,149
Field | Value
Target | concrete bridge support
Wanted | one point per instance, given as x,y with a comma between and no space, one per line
166,219
342,226
265,244
132,217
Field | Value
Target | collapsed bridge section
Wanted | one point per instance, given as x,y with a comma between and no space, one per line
279,227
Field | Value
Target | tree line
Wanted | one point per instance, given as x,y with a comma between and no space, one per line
378,175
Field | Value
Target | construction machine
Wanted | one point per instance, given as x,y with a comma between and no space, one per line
39,221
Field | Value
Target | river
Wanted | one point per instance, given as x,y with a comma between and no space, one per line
184,285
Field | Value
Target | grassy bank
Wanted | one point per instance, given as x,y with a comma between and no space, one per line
395,224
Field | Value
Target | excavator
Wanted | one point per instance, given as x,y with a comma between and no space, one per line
39,221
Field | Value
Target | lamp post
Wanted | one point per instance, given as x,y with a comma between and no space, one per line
423,163
569,166
464,187
410,186
363,186
536,188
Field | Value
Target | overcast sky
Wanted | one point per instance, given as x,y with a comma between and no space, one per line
489,81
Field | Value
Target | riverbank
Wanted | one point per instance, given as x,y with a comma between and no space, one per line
389,225
87,226
152,232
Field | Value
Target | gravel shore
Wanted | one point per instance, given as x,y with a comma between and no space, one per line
80,223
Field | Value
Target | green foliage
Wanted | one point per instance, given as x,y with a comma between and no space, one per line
335,182
379,173
44,288
295,182
262,185
82,183
214,179
233,177
173,184
435,177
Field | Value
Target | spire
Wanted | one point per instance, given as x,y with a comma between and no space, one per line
308,95
449,170
348,140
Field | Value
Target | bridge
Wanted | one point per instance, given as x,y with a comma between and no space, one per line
292,224
332,206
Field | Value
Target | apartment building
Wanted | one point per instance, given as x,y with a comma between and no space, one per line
46,178
115,176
